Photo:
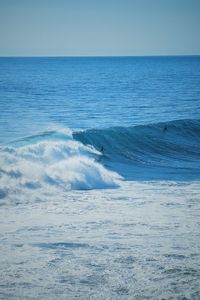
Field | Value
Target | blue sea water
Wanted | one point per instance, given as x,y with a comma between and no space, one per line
99,177
95,92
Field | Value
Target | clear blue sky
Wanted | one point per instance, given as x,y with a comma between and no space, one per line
99,27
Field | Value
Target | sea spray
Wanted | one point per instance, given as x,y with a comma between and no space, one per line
51,161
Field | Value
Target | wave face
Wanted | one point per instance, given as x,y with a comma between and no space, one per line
51,160
92,159
169,150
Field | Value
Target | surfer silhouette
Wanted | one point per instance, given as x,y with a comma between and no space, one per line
165,129
99,157
102,149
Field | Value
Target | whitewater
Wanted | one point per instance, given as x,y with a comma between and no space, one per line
100,178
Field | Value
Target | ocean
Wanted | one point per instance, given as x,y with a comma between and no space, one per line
100,178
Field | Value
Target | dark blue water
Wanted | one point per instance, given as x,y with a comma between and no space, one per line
160,151
36,93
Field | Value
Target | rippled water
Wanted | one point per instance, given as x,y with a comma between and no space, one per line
99,178
138,242
95,92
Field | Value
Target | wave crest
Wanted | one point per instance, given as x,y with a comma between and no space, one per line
167,148
138,143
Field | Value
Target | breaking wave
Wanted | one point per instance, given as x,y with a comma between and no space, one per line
52,159
100,158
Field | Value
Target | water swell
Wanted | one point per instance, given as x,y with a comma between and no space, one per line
171,148
99,158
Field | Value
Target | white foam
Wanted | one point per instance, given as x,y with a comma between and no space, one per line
61,164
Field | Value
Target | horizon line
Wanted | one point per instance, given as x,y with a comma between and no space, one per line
93,56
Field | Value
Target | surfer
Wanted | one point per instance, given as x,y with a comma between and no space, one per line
165,129
102,149
99,156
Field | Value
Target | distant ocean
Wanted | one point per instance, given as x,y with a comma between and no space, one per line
100,178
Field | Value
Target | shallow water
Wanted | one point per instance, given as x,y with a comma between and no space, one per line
99,178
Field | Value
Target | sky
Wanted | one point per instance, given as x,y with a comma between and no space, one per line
99,27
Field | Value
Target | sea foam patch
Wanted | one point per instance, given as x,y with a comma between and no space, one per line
52,162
